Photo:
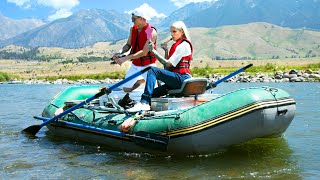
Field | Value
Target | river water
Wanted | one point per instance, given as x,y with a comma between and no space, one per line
293,156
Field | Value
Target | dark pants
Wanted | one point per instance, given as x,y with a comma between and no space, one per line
172,80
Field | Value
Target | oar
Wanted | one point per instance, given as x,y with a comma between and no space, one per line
141,138
214,84
32,130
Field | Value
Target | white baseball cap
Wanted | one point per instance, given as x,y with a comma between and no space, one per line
141,14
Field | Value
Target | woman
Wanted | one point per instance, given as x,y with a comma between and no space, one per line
176,67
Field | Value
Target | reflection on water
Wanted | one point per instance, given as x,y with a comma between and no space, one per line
294,156
260,158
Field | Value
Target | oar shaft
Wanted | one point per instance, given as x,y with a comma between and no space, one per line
96,129
114,133
112,87
228,76
96,96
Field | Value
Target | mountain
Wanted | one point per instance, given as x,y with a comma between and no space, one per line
90,26
183,13
254,41
247,41
11,27
286,13
79,30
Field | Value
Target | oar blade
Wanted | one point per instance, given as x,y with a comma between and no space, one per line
150,140
32,130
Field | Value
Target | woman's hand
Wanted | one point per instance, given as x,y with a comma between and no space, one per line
168,66
164,46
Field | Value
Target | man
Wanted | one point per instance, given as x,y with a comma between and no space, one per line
138,43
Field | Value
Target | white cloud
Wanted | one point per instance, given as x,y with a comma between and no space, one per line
61,13
19,2
146,11
59,4
181,3
62,7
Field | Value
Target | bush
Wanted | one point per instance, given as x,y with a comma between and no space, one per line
111,75
7,77
85,59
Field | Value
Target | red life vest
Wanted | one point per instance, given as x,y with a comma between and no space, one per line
184,64
138,40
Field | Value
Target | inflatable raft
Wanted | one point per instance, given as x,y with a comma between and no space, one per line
189,120
185,125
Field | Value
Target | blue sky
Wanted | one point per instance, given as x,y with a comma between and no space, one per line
49,10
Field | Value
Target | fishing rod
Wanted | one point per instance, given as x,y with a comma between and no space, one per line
164,44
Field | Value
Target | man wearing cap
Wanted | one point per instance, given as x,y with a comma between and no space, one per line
138,41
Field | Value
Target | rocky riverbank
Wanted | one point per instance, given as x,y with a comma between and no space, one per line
279,76
290,76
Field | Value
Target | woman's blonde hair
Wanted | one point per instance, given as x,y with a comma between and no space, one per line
182,27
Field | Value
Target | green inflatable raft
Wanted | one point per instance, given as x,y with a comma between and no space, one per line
195,124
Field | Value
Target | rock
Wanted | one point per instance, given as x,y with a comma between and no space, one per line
293,71
314,76
107,80
311,80
285,80
308,71
279,72
296,79
286,75
278,76
305,75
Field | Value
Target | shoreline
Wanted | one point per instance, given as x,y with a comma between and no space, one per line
279,76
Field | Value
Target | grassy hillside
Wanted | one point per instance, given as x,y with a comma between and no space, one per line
100,70
257,43
254,41
248,41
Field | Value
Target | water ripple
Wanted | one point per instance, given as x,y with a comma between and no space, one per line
294,156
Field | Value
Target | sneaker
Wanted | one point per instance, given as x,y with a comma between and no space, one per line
138,107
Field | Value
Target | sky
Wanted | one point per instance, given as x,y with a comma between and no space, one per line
49,10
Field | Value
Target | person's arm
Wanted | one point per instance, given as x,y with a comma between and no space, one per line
160,58
124,49
183,49
166,54
140,53
164,46
127,47
166,64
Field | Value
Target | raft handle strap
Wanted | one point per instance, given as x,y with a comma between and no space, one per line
273,93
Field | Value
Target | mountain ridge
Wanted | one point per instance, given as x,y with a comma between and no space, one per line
79,30
87,27
248,41
12,27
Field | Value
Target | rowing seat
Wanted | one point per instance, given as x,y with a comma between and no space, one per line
191,86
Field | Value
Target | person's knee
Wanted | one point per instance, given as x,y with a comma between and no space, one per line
154,71
141,81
